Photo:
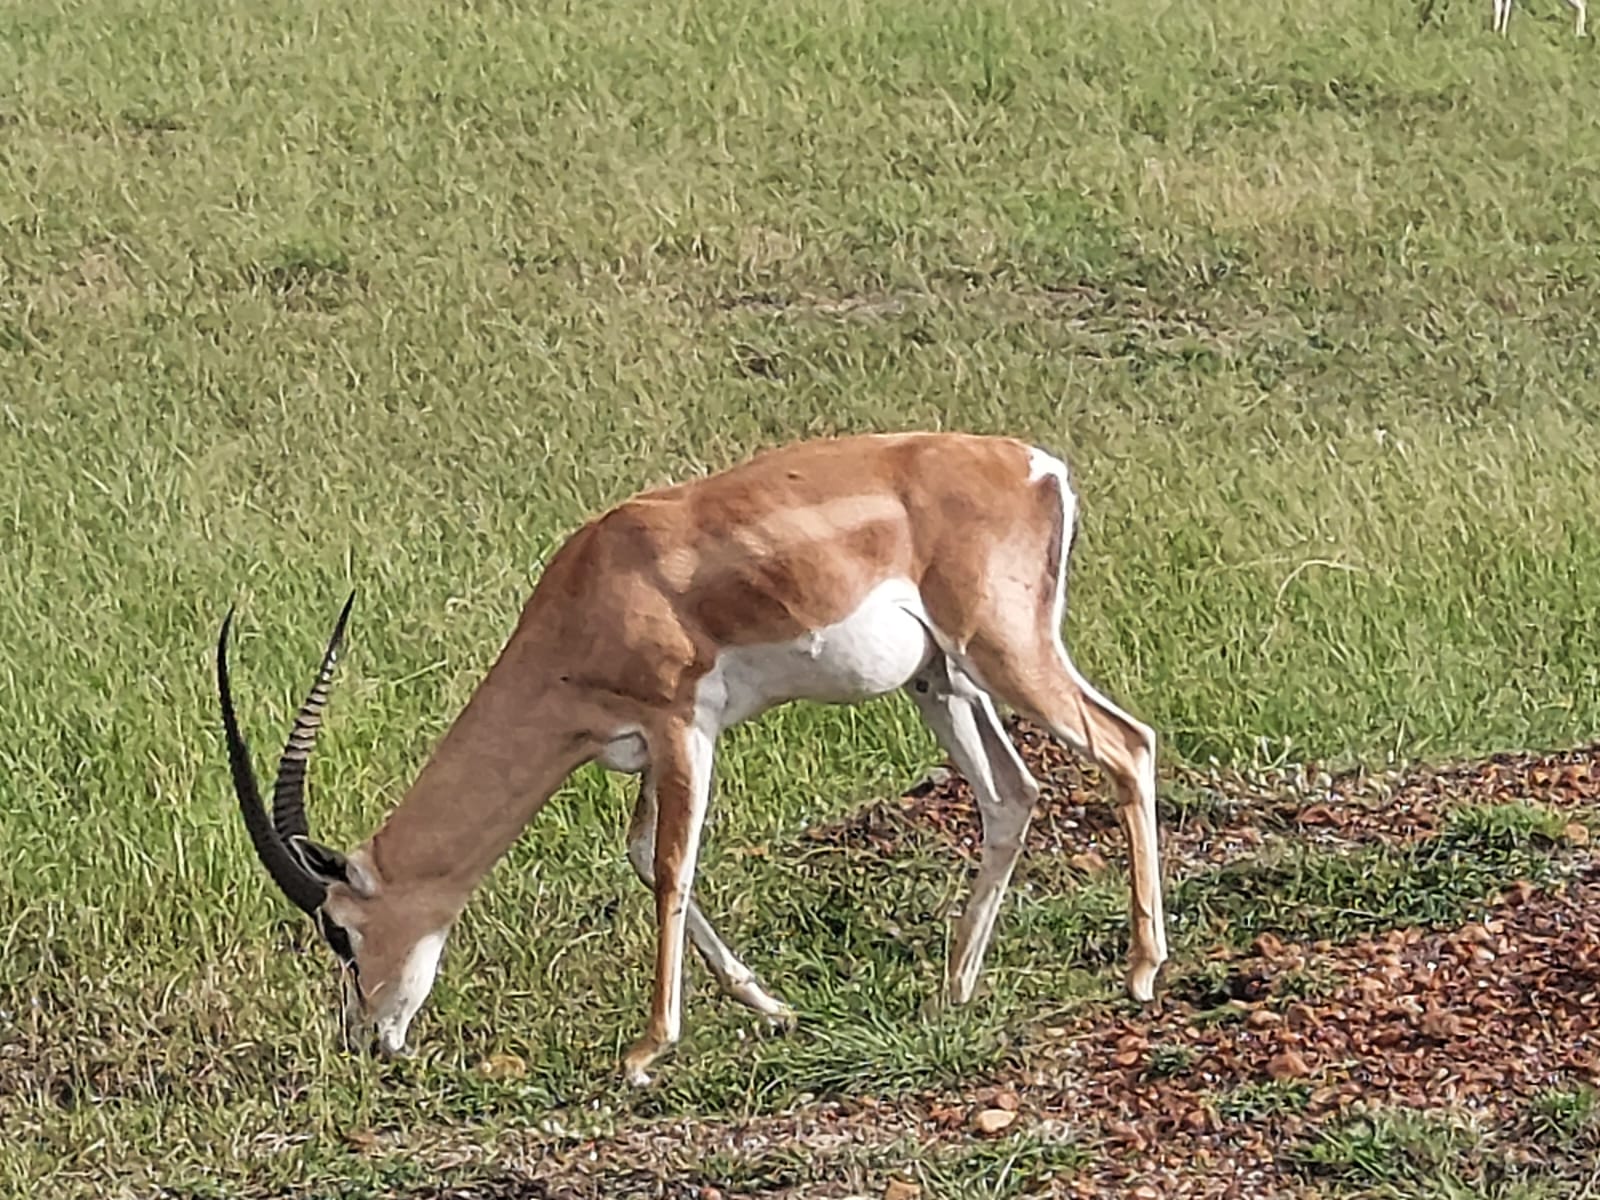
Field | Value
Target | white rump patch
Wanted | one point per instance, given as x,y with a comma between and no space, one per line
1043,465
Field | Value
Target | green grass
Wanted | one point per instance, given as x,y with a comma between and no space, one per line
1387,1154
1256,1100
1296,891
1014,1166
297,298
1567,1118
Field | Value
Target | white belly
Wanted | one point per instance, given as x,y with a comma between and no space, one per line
874,650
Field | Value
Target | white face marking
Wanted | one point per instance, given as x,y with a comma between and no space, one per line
873,651
404,996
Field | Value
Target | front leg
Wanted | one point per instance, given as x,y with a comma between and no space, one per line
680,766
736,980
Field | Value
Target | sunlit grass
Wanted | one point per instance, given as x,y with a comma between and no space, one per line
297,298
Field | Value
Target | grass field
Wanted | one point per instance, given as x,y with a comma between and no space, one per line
298,297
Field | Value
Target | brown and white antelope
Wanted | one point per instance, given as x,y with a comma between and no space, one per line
832,571
1502,15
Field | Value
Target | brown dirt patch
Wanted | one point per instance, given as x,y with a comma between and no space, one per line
1476,1020
1222,814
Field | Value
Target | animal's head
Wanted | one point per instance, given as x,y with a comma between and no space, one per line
387,949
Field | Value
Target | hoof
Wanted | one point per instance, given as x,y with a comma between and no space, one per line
637,1059
783,1017
754,997
959,992
1142,981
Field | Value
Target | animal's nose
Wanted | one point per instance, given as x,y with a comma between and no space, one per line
383,1048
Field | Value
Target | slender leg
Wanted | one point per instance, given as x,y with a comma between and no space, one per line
736,980
1043,684
964,721
681,764
1582,8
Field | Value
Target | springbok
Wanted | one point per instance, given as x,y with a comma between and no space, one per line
1502,14
832,571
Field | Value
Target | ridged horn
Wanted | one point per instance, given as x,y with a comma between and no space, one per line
289,789
285,867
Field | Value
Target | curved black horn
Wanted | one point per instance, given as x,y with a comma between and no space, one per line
287,871
289,790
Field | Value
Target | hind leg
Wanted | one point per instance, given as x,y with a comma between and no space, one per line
1035,677
964,721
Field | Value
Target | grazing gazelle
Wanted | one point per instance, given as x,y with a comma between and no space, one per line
832,571
1502,14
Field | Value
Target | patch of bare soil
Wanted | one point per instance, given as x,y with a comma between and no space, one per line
1476,1020
676,1160
1226,814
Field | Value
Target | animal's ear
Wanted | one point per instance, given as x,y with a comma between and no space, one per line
327,863
322,860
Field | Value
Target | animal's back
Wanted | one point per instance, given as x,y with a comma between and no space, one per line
790,540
